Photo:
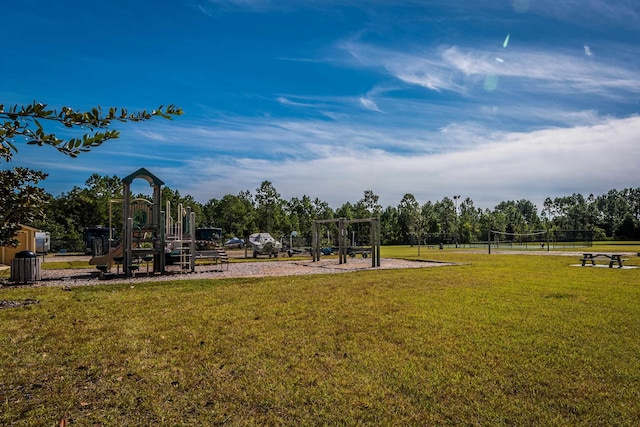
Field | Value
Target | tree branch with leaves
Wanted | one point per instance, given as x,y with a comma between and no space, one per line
21,201
26,122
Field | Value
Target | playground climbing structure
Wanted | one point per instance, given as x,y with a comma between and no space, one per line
142,234
151,234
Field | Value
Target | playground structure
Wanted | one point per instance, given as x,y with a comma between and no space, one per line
152,235
343,238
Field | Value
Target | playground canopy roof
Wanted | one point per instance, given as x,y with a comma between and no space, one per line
144,174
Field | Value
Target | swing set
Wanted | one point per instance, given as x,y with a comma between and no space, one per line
344,248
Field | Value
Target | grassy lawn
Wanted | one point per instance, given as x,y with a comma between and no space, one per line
497,340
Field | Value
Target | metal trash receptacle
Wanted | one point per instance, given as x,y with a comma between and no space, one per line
25,267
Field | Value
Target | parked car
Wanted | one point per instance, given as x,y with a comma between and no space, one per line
234,243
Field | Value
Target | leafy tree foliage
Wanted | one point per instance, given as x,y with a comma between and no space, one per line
68,215
20,200
390,226
303,212
368,206
235,214
269,208
242,214
409,218
468,221
629,228
346,211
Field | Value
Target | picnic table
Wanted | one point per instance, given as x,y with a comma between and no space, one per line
613,259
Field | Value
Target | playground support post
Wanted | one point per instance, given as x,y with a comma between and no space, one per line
163,234
192,243
342,250
127,226
375,242
315,247
127,241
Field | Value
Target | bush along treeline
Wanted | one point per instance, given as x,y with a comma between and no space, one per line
615,215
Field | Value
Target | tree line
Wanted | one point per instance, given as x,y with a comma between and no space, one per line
614,215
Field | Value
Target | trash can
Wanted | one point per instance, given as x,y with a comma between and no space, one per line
441,246
25,267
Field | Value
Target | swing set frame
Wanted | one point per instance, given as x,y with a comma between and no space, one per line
344,238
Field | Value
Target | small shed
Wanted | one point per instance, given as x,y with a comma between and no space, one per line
26,237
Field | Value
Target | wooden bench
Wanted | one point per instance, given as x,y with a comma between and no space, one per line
218,256
613,259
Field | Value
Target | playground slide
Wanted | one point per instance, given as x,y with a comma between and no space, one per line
108,258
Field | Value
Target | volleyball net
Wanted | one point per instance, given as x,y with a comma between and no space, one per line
540,240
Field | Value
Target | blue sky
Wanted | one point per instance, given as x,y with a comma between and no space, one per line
487,99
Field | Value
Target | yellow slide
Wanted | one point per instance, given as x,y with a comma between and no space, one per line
108,258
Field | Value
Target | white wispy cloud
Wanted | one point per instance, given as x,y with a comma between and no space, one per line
496,167
551,70
151,135
286,101
369,104
454,68
426,69
587,50
204,10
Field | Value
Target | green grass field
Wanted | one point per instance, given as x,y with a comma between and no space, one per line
497,340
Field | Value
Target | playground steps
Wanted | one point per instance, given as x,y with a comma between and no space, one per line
219,256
